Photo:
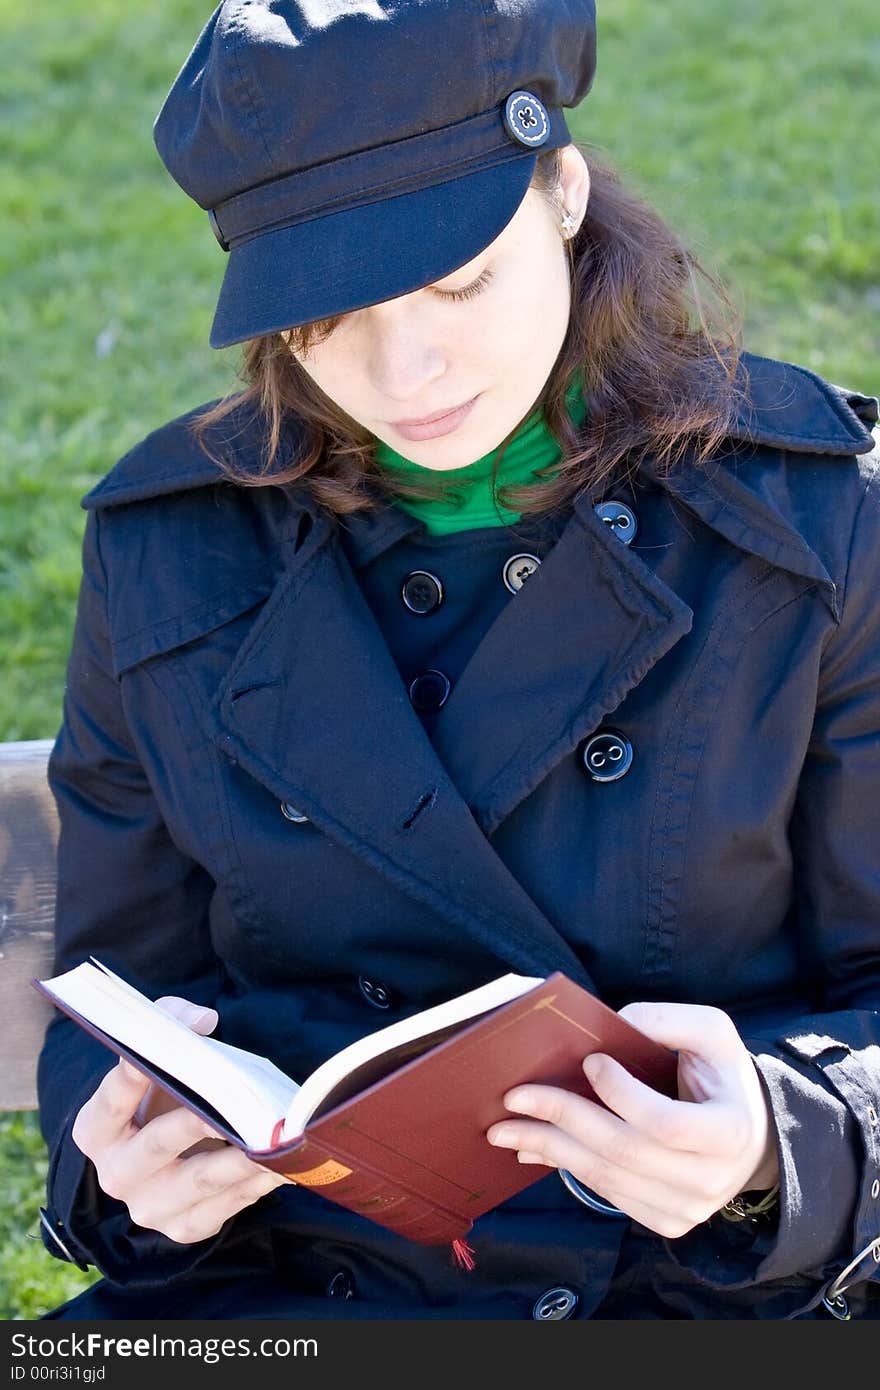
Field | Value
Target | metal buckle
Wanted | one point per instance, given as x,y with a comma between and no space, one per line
589,1200
47,1225
837,1307
833,1298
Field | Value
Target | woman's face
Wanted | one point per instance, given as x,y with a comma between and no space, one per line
429,352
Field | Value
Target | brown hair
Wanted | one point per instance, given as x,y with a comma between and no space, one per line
638,331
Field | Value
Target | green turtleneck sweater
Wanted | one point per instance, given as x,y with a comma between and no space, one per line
531,448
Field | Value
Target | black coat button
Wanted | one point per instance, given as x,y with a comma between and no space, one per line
289,811
607,755
341,1285
429,691
555,1305
518,569
422,592
621,519
526,119
375,992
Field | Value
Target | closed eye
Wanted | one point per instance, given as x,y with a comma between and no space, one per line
469,291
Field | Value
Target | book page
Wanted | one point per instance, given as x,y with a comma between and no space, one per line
389,1048
278,1084
249,1091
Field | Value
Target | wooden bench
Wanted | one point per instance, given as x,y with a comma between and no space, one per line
28,839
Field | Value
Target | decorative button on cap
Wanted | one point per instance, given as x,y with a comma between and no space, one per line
289,811
518,569
422,592
526,119
429,691
555,1305
607,755
621,519
375,992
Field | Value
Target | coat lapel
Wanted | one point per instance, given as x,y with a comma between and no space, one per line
314,708
586,628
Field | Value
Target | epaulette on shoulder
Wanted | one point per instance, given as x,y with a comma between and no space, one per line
170,459
790,407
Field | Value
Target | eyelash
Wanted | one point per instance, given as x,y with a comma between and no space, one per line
469,291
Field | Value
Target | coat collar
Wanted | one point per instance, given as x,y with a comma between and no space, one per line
790,408
741,493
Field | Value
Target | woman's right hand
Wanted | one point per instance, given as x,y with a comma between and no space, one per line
156,1161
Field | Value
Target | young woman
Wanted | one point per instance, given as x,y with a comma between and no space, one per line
510,619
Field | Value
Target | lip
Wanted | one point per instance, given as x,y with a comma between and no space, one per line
435,425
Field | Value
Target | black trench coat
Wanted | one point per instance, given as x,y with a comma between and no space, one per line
240,656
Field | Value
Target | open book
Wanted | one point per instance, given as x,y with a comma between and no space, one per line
392,1126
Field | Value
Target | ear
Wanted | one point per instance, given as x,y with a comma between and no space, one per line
574,181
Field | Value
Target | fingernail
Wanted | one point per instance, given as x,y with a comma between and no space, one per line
524,1156
593,1066
518,1100
129,1072
197,1014
500,1136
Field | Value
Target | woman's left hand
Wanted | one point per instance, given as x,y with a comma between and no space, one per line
669,1164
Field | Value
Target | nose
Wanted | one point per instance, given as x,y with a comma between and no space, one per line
402,353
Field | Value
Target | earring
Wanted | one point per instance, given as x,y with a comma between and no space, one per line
569,223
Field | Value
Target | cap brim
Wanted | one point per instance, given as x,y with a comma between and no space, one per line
364,255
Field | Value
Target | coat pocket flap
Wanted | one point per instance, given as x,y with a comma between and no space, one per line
165,634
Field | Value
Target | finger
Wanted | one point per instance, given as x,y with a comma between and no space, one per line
197,1220
664,1180
126,1166
108,1115
670,1197
633,1145
664,1223
156,1102
198,1017
209,1216
706,1033
239,1194
703,1127
207,1175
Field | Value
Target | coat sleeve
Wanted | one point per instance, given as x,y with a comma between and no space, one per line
822,1071
126,893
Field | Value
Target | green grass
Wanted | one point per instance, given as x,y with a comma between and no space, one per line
751,128
31,1281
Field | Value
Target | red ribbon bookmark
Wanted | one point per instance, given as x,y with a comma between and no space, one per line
463,1254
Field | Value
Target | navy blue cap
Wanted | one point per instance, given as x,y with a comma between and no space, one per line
350,151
